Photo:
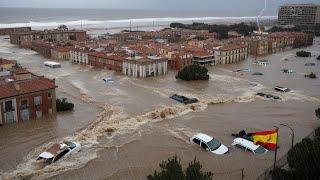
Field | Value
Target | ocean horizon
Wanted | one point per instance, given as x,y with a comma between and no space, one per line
42,18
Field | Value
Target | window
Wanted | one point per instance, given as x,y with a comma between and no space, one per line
204,146
197,141
49,95
64,152
9,106
24,104
37,101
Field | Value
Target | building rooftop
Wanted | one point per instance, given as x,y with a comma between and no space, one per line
11,89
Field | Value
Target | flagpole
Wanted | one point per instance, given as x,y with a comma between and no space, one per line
275,153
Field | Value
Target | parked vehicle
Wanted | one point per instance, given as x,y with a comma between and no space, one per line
288,71
262,62
58,151
183,99
257,74
108,80
209,143
282,89
52,64
247,145
310,64
268,96
243,70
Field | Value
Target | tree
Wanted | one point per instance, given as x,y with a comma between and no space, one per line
304,159
172,170
193,72
318,58
194,172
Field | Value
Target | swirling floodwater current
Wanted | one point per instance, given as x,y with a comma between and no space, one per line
127,128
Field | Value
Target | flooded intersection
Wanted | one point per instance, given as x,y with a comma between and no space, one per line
127,128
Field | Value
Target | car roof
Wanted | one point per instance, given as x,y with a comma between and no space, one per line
246,143
203,137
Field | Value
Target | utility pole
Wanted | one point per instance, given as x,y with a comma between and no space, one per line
242,174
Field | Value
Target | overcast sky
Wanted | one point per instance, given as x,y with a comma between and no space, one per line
150,4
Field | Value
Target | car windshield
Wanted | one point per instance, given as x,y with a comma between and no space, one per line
71,145
260,150
214,144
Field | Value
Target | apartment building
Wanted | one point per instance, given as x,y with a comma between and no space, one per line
79,56
305,15
24,96
8,31
230,53
60,53
25,39
102,60
142,67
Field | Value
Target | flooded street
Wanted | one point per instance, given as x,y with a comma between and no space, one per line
127,128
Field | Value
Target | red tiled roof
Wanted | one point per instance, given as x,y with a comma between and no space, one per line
5,61
231,47
23,87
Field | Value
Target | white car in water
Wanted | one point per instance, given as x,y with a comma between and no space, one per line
247,145
57,151
209,143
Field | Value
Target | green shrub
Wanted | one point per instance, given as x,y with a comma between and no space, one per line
64,105
193,72
172,170
303,54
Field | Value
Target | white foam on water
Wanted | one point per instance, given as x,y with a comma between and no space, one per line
126,22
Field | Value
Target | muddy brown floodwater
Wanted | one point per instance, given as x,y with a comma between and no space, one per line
127,128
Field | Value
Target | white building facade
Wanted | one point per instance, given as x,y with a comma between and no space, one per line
142,68
229,54
79,56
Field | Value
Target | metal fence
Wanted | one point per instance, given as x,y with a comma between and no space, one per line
281,163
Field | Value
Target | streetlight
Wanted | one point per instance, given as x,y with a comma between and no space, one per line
292,133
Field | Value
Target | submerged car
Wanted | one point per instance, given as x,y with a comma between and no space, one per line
288,71
183,99
108,80
310,64
262,62
243,70
247,145
257,74
268,96
282,89
209,143
58,151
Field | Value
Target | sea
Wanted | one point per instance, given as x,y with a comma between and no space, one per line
43,18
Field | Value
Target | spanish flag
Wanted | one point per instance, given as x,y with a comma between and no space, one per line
267,139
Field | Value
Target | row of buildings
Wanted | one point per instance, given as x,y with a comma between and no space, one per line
144,54
23,95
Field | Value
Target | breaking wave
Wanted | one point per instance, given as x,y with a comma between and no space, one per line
121,23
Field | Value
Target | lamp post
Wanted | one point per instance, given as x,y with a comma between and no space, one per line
292,133
275,153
